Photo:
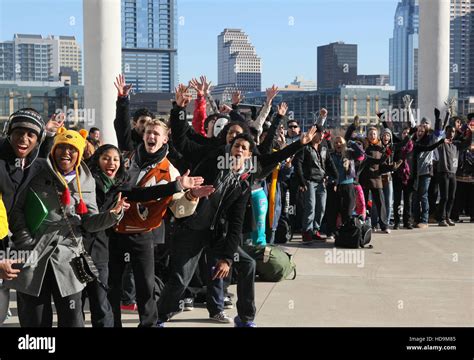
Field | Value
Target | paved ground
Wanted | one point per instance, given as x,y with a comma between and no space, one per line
409,278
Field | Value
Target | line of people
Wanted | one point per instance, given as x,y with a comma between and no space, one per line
243,176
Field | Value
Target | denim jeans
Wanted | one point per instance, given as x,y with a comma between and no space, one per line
314,206
421,205
186,249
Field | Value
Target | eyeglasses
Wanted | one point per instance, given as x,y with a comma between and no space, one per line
293,127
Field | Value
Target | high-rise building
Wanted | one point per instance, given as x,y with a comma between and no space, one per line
238,62
373,80
70,56
404,45
38,58
149,44
461,50
337,65
7,61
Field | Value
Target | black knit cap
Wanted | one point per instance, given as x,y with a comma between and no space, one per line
26,118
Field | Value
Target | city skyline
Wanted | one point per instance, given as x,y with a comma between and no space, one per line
288,23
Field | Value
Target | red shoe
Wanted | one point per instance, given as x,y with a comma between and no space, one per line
307,238
129,308
317,237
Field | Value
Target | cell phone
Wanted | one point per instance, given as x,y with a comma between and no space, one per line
18,266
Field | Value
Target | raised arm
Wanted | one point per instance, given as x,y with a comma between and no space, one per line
122,125
265,110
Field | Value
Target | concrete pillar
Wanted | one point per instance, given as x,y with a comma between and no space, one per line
433,59
102,63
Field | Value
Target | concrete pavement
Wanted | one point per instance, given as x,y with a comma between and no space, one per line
409,278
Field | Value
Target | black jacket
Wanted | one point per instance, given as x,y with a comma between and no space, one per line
314,165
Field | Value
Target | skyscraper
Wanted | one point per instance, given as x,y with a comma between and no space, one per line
337,65
149,44
461,50
238,63
404,46
38,58
70,55
7,60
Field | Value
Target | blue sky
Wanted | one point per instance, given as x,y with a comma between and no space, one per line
285,33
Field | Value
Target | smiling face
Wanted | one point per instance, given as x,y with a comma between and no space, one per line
65,157
154,138
372,135
23,141
386,138
109,163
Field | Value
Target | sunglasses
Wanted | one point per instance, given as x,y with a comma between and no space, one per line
293,127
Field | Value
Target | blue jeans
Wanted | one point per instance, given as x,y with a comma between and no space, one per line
314,206
388,199
420,200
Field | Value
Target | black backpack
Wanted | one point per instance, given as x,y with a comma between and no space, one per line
284,232
354,234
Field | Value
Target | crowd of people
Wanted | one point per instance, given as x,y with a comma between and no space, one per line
167,212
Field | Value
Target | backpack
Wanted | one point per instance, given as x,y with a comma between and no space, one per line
284,231
354,234
273,263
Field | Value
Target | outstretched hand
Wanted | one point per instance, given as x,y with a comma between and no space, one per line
202,191
308,136
122,204
183,97
123,89
271,93
189,182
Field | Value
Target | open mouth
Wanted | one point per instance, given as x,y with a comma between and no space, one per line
110,171
65,160
22,148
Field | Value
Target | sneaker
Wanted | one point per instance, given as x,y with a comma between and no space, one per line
330,238
221,317
443,223
422,226
129,308
451,222
228,304
188,304
316,236
239,323
396,226
408,226
386,231
307,238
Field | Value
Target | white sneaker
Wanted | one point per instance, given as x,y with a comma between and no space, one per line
221,317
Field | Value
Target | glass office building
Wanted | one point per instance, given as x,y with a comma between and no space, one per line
149,44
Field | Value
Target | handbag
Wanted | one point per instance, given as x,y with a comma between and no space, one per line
82,265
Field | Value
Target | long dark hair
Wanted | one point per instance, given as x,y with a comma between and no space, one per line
225,130
94,166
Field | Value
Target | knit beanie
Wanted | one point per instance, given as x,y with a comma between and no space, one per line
28,119
78,141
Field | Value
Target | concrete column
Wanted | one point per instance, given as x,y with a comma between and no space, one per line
433,59
102,63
